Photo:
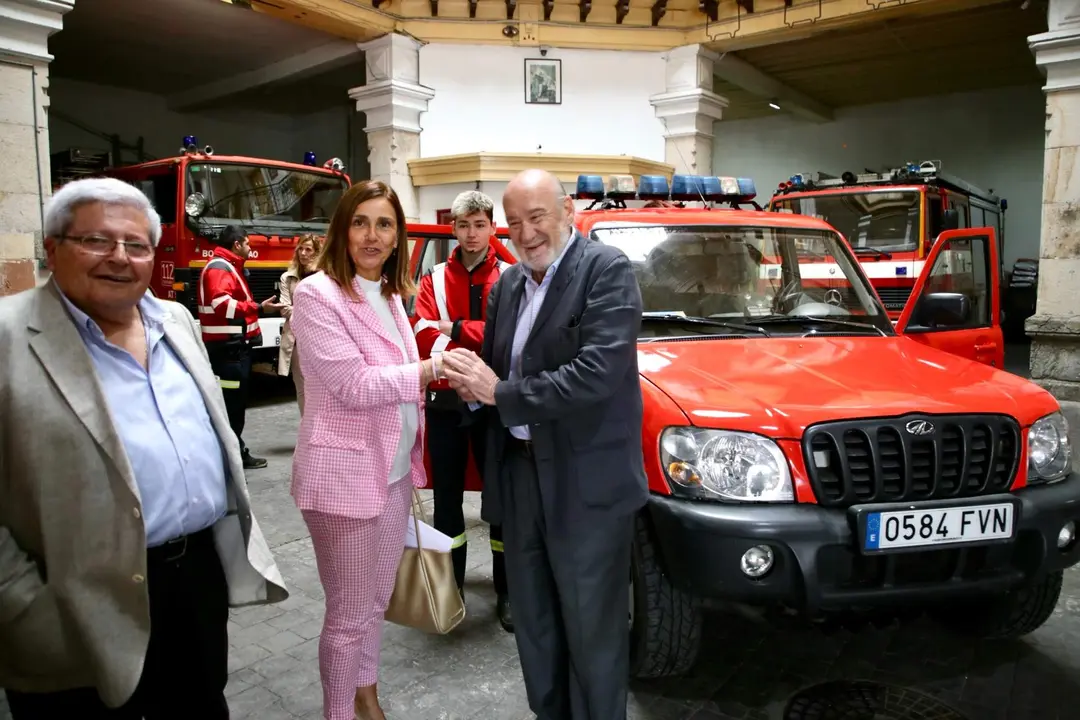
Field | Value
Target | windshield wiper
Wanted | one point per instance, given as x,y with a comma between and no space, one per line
872,251
679,317
796,319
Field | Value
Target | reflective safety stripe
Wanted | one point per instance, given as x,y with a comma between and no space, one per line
458,541
229,384
440,343
438,284
496,546
425,324
228,329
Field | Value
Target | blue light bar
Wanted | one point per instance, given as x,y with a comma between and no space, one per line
712,188
590,187
653,187
309,158
687,187
746,188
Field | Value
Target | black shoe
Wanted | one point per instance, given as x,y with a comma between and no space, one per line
251,462
502,609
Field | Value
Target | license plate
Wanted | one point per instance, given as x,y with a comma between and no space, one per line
910,528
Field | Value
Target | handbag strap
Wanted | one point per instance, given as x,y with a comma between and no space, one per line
417,513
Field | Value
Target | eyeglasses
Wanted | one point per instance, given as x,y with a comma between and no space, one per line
103,246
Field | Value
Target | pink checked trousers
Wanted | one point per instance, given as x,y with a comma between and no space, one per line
358,562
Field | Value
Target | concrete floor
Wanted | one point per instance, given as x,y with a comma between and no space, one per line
746,670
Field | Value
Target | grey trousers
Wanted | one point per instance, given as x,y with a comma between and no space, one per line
571,604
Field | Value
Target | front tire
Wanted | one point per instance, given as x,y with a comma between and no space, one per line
1009,615
665,622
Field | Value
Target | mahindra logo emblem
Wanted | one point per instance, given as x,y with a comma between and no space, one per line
920,427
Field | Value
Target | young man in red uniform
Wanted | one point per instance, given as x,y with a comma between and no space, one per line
229,321
450,310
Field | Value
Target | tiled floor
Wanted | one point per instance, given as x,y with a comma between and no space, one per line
747,670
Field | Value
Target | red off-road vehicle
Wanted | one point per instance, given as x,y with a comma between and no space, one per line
806,454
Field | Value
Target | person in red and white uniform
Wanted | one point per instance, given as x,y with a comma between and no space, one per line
229,322
451,306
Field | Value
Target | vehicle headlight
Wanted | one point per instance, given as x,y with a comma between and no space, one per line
725,465
1049,451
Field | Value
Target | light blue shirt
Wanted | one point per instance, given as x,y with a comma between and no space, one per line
531,302
161,418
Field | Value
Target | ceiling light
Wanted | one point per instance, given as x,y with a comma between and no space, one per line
773,105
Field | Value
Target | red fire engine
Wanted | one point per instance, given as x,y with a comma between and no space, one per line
198,193
891,219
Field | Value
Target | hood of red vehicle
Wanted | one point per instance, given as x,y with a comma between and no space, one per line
779,386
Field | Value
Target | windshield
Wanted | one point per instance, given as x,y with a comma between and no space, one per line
743,274
879,219
274,198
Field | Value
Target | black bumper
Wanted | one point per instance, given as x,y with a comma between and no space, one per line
818,565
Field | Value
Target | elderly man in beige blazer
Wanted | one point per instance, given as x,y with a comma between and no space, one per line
125,524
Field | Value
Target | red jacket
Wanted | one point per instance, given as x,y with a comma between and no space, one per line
451,292
227,311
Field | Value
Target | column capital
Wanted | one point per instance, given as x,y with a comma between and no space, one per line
392,104
688,111
25,27
1057,51
690,67
391,57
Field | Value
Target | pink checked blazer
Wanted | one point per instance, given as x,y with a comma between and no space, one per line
355,379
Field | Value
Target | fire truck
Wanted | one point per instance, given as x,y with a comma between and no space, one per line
891,219
808,456
198,193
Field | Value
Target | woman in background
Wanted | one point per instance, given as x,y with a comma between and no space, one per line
360,450
303,264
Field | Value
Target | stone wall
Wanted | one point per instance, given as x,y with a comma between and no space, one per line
24,172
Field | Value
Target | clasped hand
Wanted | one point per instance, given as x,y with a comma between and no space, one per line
469,375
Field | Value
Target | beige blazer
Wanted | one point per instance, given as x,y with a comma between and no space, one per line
286,286
74,609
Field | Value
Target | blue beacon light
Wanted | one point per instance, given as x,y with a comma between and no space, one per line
590,187
653,187
190,142
309,158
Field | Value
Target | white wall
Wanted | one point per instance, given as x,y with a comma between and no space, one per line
132,114
479,102
993,139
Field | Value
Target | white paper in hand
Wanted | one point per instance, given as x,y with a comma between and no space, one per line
430,538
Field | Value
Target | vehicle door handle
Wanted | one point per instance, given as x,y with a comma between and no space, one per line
987,346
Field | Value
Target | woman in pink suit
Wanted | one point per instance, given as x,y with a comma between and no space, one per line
360,449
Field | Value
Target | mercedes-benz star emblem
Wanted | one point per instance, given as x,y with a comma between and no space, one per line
920,427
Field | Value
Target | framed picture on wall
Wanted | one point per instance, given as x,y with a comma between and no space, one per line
543,81
444,217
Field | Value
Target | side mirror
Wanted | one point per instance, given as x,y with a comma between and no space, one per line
950,220
942,309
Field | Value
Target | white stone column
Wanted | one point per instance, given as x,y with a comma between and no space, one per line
393,99
688,108
1055,327
25,183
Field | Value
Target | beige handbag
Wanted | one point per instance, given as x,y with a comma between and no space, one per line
425,594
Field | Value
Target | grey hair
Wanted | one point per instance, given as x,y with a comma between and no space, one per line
108,191
472,201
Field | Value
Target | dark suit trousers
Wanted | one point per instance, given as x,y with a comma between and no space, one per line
186,664
571,605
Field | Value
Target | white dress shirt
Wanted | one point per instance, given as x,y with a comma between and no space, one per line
410,414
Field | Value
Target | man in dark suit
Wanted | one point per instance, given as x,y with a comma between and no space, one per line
564,476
